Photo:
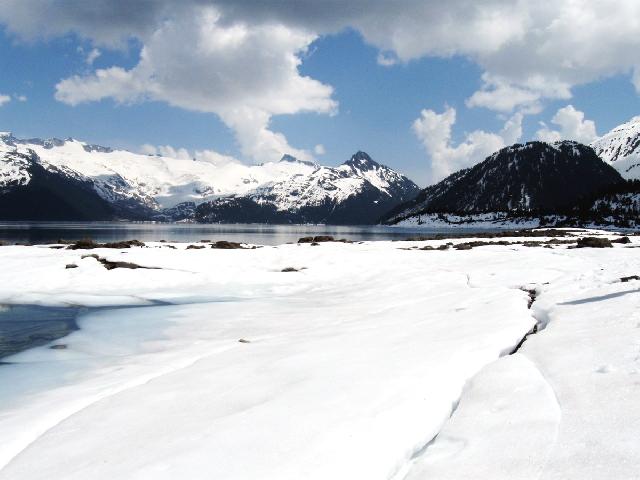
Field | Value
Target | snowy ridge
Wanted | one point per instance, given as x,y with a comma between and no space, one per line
157,186
621,148
154,180
327,184
358,191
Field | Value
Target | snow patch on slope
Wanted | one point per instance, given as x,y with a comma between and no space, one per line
621,148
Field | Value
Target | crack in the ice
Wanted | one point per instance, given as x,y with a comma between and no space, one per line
419,452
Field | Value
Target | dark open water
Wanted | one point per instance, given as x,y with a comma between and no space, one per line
51,232
26,326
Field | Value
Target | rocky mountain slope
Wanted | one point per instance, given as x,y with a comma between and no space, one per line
133,186
534,178
31,191
357,192
621,148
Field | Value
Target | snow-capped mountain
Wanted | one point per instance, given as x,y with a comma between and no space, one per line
139,186
621,148
536,177
30,190
359,191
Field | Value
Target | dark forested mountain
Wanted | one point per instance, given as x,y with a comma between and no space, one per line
536,177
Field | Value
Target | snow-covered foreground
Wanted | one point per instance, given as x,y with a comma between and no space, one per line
348,368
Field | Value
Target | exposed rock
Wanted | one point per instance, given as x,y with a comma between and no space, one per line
629,278
623,240
58,346
88,244
85,244
593,242
125,244
71,265
195,247
225,245
243,340
289,269
322,238
110,265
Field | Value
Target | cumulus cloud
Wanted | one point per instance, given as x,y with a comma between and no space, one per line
201,54
572,126
529,50
245,74
4,99
434,130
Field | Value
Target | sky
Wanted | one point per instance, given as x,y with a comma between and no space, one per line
426,87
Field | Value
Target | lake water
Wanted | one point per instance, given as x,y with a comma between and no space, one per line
26,326
51,232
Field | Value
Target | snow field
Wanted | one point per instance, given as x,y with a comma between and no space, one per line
353,366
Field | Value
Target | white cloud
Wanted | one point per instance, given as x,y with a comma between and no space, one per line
386,59
319,149
434,131
210,156
530,50
4,99
20,98
92,56
242,57
245,74
148,149
572,126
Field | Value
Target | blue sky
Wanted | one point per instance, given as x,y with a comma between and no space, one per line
356,102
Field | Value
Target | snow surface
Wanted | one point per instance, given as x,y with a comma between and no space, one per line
354,365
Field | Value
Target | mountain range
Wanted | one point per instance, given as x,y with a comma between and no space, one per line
68,179
117,184
597,183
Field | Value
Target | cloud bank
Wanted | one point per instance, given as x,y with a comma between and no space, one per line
240,59
571,126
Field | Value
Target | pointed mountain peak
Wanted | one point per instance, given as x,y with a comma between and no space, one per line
362,161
